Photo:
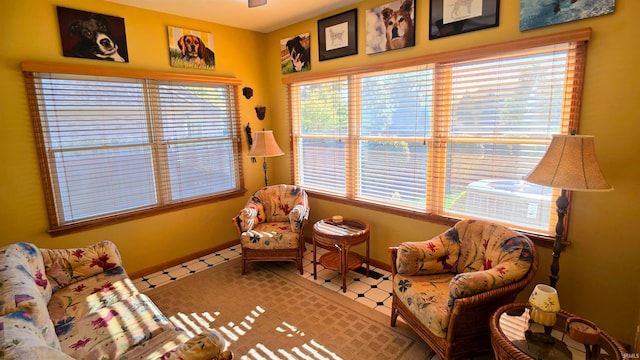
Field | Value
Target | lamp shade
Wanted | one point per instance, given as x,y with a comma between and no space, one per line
254,3
265,145
570,163
544,305
545,298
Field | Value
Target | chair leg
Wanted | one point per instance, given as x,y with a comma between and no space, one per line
243,263
394,312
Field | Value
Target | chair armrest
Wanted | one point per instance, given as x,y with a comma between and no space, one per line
393,252
436,256
246,219
298,217
202,346
471,283
66,266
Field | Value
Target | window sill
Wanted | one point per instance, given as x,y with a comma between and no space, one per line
538,239
139,214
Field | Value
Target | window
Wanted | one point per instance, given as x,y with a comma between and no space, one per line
447,136
115,146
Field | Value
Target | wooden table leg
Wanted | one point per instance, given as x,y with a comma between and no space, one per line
315,272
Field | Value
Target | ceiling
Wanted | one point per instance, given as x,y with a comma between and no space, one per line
275,15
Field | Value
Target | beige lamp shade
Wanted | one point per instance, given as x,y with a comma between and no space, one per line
545,297
265,145
544,305
254,3
570,163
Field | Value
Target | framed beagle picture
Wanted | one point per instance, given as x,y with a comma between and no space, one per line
90,35
191,48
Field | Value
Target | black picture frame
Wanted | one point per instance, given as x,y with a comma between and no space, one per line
477,15
334,28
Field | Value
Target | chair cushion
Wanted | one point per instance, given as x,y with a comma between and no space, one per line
274,235
278,200
91,294
426,296
436,256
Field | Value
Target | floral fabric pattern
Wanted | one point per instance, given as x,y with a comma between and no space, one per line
92,311
436,256
273,218
66,266
470,258
276,203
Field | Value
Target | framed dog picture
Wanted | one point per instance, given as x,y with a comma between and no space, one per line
338,35
295,54
90,35
453,17
191,48
535,14
391,26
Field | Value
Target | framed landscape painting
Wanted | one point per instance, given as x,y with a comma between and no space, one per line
539,13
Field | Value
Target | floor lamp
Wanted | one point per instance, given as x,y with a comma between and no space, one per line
570,163
265,145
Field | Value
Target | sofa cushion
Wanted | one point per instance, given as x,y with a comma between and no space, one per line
112,331
426,296
91,294
274,235
21,290
436,256
22,339
28,259
66,266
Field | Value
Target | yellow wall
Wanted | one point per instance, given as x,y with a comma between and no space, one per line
30,33
605,250
600,272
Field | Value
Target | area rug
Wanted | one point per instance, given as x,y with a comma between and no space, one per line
272,312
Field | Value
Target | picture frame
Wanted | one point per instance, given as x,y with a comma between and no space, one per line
534,14
295,53
390,26
191,48
338,35
453,17
90,35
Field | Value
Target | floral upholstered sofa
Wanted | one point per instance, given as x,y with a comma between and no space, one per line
446,288
80,304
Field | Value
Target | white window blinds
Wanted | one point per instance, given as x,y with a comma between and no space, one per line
448,136
112,146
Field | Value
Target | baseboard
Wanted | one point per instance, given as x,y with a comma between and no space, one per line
182,260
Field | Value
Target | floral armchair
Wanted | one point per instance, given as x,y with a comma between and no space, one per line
447,288
271,224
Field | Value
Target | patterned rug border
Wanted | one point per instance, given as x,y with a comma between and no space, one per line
285,271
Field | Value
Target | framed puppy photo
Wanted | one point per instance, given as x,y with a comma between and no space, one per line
295,54
391,26
191,49
90,35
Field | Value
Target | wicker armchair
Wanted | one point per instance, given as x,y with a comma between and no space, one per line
447,288
271,224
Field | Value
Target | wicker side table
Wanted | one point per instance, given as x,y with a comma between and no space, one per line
341,237
509,324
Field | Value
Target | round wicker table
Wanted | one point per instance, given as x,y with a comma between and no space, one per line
341,237
514,336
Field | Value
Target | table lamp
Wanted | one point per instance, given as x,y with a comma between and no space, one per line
265,145
544,305
570,163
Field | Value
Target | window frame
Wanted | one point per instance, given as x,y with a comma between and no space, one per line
55,226
576,36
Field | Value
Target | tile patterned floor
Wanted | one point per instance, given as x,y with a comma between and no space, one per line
375,293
